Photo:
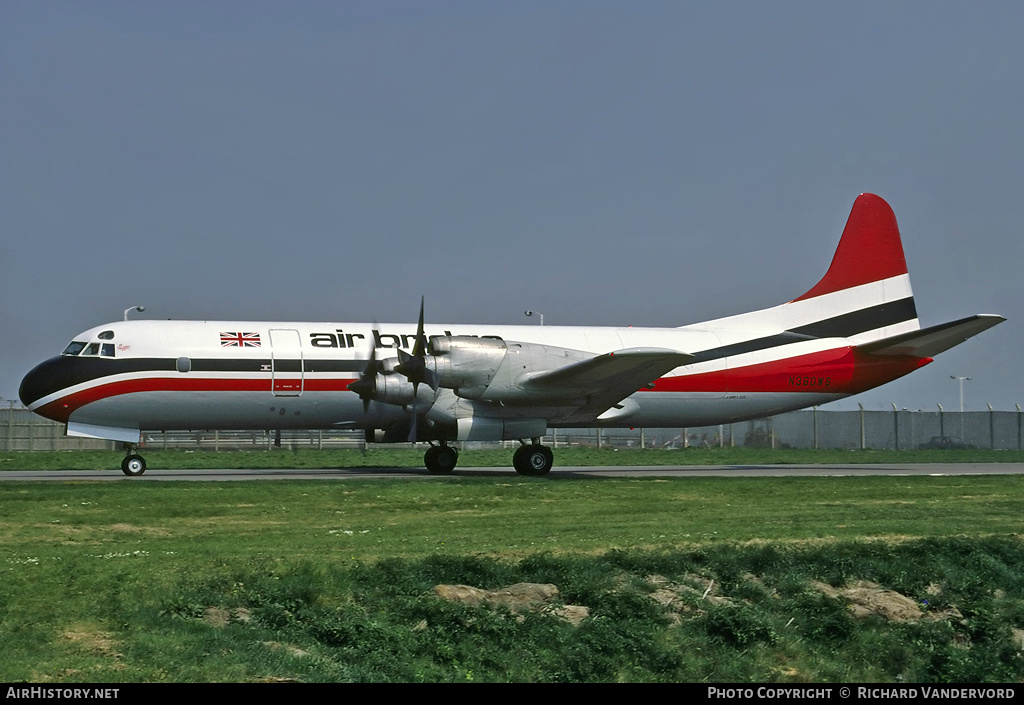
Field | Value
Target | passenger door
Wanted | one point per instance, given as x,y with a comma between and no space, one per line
286,362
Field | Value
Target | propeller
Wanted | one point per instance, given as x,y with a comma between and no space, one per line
414,366
411,366
366,385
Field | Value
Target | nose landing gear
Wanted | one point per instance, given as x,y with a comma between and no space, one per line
133,464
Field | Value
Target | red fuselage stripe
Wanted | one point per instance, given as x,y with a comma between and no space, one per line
839,371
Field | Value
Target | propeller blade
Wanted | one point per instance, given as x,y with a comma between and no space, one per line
414,366
412,423
366,385
420,348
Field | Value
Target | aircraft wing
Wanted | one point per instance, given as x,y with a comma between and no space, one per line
601,381
929,342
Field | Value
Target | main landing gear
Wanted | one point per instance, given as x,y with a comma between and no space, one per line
441,460
133,464
533,458
529,459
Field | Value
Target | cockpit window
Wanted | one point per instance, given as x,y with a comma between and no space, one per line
77,347
74,348
106,335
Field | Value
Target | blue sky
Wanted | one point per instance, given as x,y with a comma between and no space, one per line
606,163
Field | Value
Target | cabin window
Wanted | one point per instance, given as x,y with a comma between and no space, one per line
183,364
74,347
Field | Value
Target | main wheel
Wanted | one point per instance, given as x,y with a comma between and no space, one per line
133,465
533,460
519,460
440,460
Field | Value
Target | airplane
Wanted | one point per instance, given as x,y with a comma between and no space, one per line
856,329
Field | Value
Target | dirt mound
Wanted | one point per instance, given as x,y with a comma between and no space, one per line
868,599
519,599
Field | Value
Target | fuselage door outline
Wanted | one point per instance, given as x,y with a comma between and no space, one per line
286,362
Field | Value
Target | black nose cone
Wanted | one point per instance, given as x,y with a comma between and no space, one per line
44,379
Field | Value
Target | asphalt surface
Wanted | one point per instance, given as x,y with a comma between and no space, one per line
222,475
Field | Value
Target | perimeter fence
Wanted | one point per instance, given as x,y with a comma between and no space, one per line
899,429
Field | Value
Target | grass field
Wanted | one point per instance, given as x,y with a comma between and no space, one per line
717,579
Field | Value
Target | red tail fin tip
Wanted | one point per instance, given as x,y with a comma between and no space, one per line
869,250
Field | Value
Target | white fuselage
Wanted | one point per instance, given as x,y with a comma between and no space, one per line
165,375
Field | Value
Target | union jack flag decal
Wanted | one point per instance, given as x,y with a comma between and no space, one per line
240,340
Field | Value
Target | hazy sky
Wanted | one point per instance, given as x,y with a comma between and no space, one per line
605,163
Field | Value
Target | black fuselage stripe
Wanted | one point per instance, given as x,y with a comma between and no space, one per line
865,319
844,326
62,372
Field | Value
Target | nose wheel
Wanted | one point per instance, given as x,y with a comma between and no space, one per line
133,465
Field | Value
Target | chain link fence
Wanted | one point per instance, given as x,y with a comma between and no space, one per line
899,429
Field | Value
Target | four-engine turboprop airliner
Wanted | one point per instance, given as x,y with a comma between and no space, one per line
855,329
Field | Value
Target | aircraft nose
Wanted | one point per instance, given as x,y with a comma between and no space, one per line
43,380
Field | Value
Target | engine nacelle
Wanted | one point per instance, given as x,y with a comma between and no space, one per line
493,369
466,364
397,390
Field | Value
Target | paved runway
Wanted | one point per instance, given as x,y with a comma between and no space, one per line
565,472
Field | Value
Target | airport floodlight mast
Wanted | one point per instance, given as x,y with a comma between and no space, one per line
140,309
531,313
962,380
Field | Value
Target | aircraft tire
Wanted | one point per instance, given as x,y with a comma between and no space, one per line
133,465
519,461
440,460
533,460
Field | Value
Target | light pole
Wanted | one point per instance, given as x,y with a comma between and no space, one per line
530,313
140,309
962,379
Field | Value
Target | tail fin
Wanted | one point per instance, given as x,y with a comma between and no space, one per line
865,294
869,251
864,299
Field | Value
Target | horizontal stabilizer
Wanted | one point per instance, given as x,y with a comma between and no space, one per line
929,342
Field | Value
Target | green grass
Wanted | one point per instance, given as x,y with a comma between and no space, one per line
413,458
332,581
500,516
